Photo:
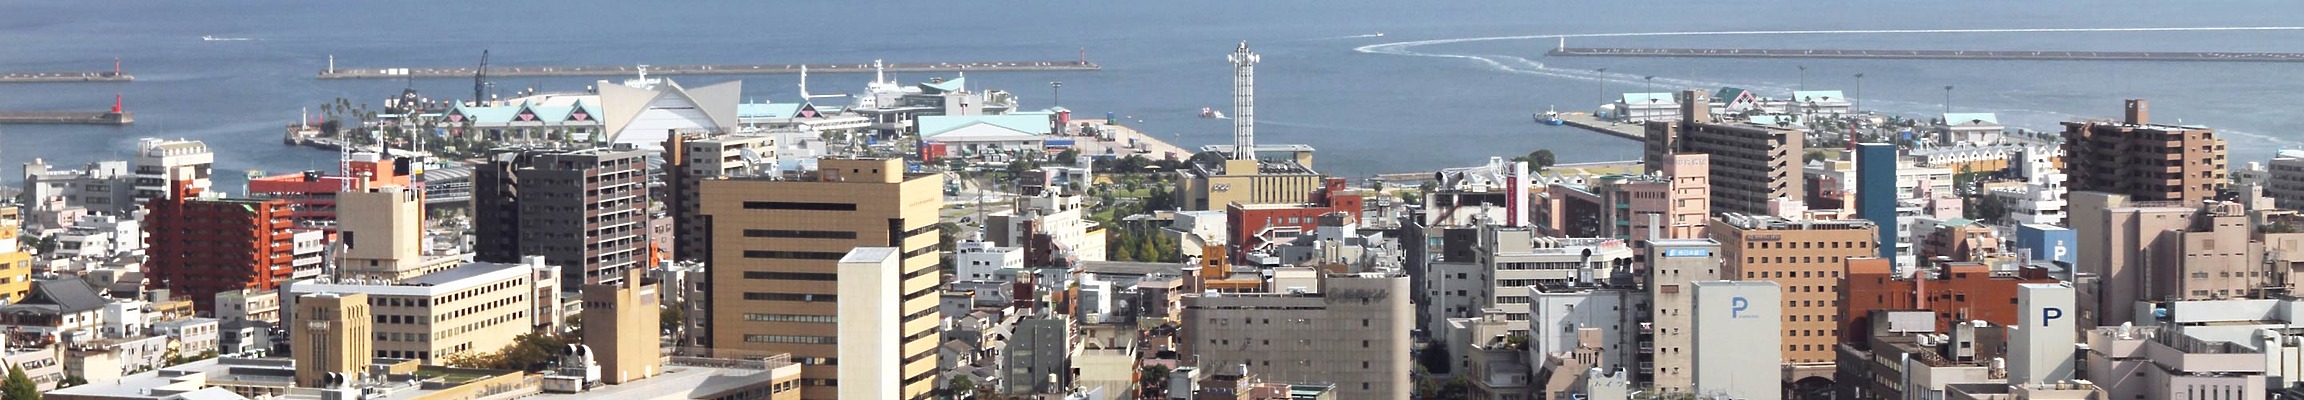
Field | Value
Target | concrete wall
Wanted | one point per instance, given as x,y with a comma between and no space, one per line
1737,346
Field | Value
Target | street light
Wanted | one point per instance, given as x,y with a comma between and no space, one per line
1947,99
1602,73
1859,92
1651,95
1803,76
1057,95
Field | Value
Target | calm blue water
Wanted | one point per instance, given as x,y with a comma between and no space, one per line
1392,109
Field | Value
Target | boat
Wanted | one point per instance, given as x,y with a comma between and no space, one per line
1209,113
1550,116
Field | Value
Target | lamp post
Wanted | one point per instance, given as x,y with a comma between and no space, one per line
1947,99
1803,76
1603,84
1651,95
1859,92
1056,94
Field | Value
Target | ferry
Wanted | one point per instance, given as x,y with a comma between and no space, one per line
1550,116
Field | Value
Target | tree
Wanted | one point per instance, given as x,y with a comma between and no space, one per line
1436,359
1069,156
672,317
19,386
1153,382
1538,160
1816,155
962,385
528,352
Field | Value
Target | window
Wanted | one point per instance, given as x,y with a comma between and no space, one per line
790,276
802,206
794,234
791,339
795,255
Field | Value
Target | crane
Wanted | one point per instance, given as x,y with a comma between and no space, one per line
480,80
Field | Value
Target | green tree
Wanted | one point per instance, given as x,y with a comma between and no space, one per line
1435,358
19,386
1538,160
528,352
1816,155
670,319
1153,382
962,385
1068,157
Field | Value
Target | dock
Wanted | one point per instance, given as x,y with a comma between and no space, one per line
2211,56
60,77
1633,131
737,69
67,117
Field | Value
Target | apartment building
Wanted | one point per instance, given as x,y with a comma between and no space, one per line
2146,161
1674,266
199,248
1749,164
1350,330
583,210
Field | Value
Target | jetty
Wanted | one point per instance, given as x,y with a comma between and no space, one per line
1634,131
115,116
2211,56
729,69
57,77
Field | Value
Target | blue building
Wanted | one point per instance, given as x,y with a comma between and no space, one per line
2048,242
1876,191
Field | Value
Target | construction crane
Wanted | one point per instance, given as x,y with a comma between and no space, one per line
480,80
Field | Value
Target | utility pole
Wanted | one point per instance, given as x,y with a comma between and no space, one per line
1859,92
1803,76
1603,73
1947,99
1056,90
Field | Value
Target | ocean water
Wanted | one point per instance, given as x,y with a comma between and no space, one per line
1445,85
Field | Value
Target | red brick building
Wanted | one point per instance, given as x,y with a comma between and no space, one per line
1253,227
198,248
1957,292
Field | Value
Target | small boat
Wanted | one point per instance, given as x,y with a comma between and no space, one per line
1209,113
1550,116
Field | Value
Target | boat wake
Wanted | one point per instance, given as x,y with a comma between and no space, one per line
224,39
1524,66
1371,35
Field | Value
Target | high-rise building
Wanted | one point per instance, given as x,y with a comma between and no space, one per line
1806,259
199,248
1674,265
1750,164
332,340
2284,180
1876,193
2146,161
692,157
1735,354
382,230
776,278
172,169
620,321
583,210
1349,329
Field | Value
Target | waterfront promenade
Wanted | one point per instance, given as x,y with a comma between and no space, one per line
1153,146
733,69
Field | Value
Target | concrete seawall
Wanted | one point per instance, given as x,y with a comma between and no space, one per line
67,118
1932,54
60,77
738,69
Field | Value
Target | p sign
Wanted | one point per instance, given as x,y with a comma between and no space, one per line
1736,306
2050,314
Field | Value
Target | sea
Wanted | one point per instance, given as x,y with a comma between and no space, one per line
1377,86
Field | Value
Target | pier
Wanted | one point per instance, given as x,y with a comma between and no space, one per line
1931,54
66,118
1634,131
58,77
736,69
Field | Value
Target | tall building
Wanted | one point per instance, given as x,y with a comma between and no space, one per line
1734,355
1750,164
584,210
1674,265
2284,180
199,248
1806,259
382,230
2146,161
620,321
775,273
1350,330
2040,344
332,339
692,157
15,262
869,328
1677,201
1876,193
2114,232
172,169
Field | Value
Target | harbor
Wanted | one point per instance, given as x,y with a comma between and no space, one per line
1930,54
723,69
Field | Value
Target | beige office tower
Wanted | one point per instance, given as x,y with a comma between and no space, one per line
775,250
620,321
1674,265
382,229
332,337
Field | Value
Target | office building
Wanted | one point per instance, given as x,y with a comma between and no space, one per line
1805,258
692,157
1350,330
1677,202
382,230
2113,232
583,210
2284,179
2146,161
1901,355
476,308
1750,164
1735,355
620,321
1876,193
1959,292
1285,179
199,248
1673,266
1497,191
332,338
1516,261
102,187
776,274
2040,344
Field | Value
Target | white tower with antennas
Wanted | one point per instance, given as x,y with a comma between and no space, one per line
1243,103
